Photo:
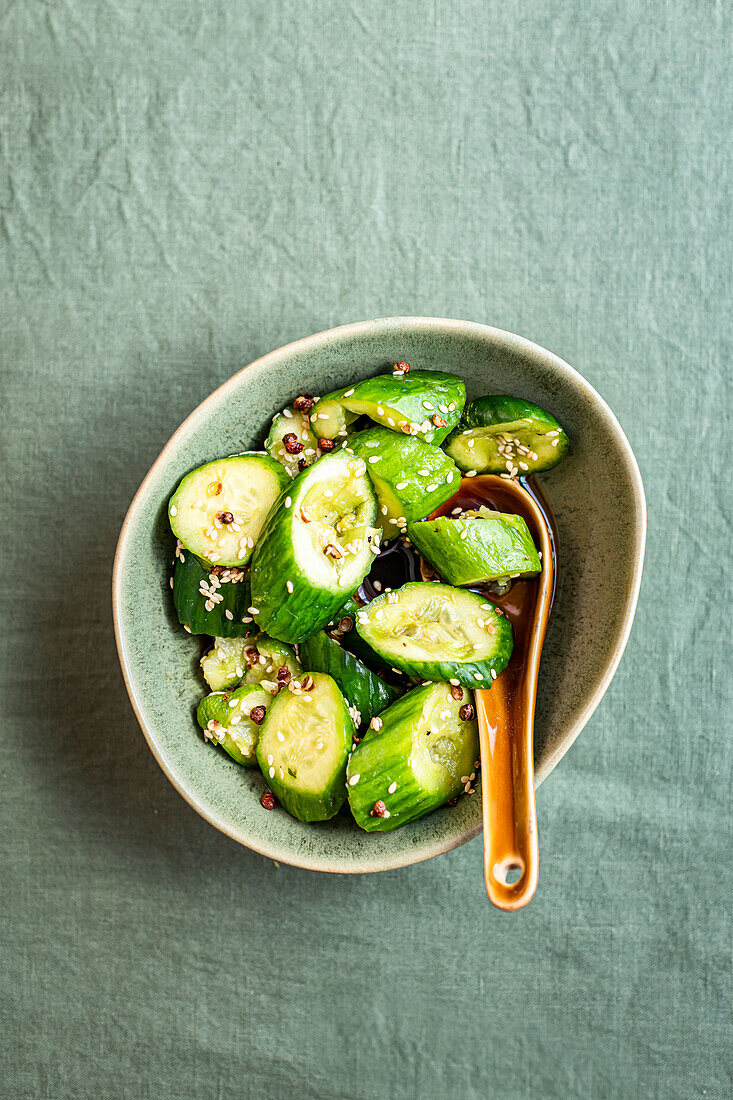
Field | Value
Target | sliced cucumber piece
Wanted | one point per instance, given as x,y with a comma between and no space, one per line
505,435
315,548
330,419
424,403
477,546
225,663
208,602
436,632
271,657
254,660
303,748
411,478
224,716
218,510
362,688
422,755
351,640
292,422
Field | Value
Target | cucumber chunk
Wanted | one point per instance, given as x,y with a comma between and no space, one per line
292,422
303,748
225,663
224,716
211,603
315,548
351,640
505,435
254,660
422,755
436,632
363,689
271,657
330,419
218,510
424,403
477,546
411,478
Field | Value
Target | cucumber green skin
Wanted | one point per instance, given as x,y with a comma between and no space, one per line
399,459
502,409
291,616
189,603
485,412
361,687
383,757
307,806
494,547
471,674
353,642
217,706
406,394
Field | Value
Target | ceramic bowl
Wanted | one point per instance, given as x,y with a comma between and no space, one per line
598,501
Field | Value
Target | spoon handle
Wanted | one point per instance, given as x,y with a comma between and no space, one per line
510,818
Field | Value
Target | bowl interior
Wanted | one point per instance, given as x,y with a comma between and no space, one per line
598,502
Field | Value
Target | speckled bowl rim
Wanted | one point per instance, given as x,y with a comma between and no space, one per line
445,326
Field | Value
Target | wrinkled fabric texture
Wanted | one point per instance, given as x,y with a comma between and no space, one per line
186,186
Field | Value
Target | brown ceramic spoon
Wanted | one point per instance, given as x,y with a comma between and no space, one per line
506,732
506,712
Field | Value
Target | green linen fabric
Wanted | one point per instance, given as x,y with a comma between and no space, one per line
186,185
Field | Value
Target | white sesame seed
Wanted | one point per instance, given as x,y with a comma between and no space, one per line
253,611
229,614
270,759
288,502
353,779
233,702
392,788
246,618
289,585
456,683
471,473
171,582
430,488
377,586
272,773
187,629
374,458
287,413
380,410
349,393
456,511
401,485
280,736
494,674
450,477
173,510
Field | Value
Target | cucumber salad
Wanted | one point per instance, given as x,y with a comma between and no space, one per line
342,690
